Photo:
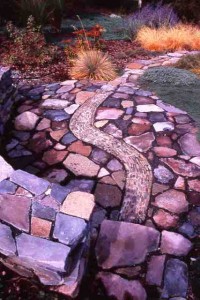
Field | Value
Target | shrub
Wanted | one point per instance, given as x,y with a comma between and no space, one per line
180,37
93,64
28,47
150,15
169,75
190,62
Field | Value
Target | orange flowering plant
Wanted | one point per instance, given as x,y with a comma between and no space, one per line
86,39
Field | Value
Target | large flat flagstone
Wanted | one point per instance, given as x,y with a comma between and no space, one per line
7,187
55,104
181,167
26,121
42,252
120,289
81,165
148,108
69,230
109,113
123,244
175,244
175,279
173,201
30,182
79,204
142,142
189,144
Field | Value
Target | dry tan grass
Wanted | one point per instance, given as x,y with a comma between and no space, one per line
196,71
93,64
180,37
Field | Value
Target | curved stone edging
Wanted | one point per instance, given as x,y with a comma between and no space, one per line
139,174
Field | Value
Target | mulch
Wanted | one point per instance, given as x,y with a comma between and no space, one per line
120,51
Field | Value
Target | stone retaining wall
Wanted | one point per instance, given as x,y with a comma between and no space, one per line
8,96
39,239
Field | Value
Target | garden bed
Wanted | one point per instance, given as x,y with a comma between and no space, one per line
54,137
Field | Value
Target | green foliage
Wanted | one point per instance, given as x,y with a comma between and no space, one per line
178,87
170,75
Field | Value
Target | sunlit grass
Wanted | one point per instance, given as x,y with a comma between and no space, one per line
180,37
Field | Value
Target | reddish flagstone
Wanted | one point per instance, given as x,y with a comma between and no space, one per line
164,220
52,156
39,142
40,227
164,141
119,288
58,134
143,100
164,152
15,211
173,201
80,148
137,129
134,66
181,167
83,96
194,185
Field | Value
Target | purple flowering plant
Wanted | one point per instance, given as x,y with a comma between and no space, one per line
152,15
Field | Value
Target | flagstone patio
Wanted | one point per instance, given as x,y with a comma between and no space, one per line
103,162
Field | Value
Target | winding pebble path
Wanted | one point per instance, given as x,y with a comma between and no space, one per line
138,170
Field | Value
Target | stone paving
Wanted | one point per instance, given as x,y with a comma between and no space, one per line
70,177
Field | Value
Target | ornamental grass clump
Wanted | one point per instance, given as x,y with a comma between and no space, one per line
190,62
93,64
180,37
